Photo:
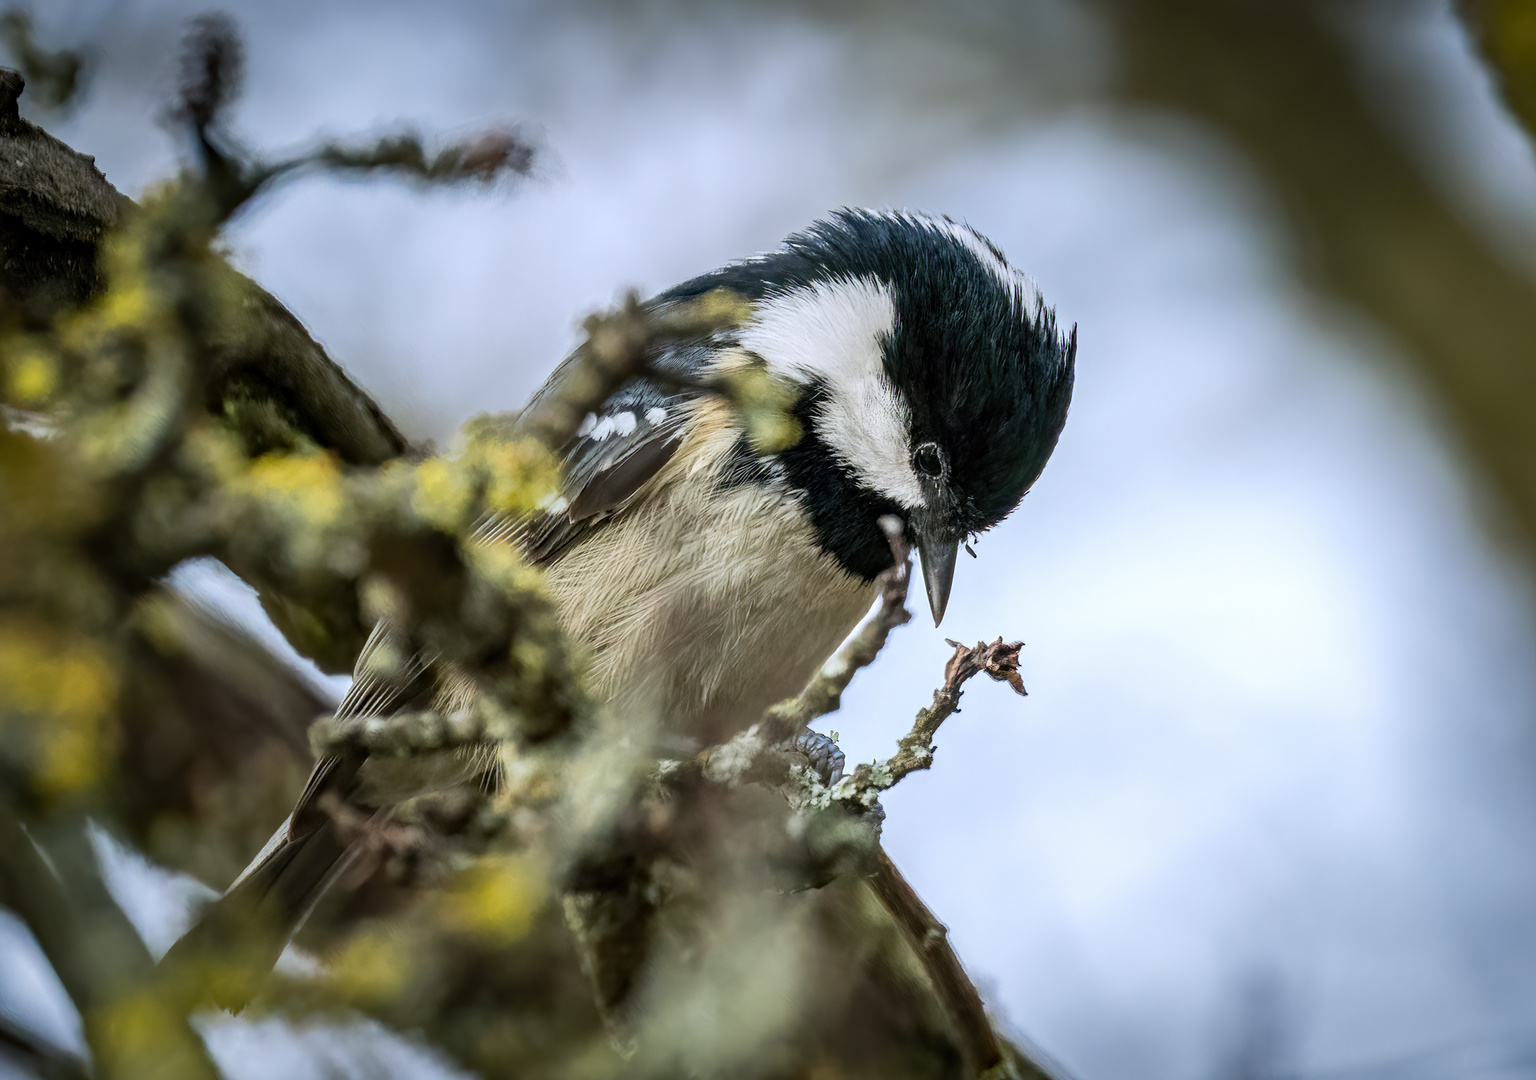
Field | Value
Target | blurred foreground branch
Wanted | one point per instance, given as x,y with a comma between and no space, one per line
55,74
1506,29
579,920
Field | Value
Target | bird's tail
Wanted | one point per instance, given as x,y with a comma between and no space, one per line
239,938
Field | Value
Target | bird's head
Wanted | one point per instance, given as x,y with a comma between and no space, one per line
933,381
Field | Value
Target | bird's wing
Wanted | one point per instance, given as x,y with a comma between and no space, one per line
615,451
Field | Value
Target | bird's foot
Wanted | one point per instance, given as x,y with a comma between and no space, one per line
821,754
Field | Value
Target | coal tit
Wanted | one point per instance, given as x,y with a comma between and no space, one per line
705,579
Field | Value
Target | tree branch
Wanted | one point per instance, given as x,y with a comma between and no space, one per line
929,939
41,1059
824,693
56,209
619,346
1275,80
914,751
96,953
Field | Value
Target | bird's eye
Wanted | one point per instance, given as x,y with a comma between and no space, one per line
928,460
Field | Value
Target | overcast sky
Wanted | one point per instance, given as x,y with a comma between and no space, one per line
1275,772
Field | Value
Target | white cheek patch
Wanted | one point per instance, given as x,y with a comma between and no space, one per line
866,426
832,330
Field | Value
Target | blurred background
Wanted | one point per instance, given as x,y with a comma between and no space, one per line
1270,807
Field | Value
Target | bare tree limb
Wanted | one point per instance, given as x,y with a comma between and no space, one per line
929,939
1276,80
96,952
55,73
1503,29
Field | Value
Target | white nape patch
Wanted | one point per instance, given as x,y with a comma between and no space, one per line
588,422
1026,292
655,416
832,330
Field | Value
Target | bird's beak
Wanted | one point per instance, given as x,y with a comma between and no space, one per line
938,558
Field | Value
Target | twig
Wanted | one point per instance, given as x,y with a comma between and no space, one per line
824,693
619,346
403,733
743,757
53,74
914,751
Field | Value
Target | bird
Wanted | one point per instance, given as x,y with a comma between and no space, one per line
708,580
705,577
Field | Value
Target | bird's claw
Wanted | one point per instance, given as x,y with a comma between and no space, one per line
821,753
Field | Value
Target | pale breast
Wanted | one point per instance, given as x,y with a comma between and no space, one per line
703,605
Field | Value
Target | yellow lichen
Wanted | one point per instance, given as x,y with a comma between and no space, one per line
307,487
497,898
503,567
443,494
373,967
764,401
138,1034
32,375
521,475
57,699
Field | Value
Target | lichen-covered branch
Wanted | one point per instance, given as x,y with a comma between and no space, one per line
914,750
759,755
134,1023
168,410
619,346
